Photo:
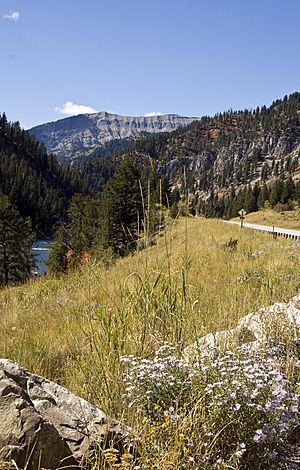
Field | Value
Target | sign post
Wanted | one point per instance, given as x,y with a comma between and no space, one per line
242,213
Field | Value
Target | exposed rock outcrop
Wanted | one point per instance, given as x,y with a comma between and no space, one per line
256,328
44,425
78,133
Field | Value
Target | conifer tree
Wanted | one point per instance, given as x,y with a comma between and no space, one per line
289,190
85,220
263,196
276,192
123,202
16,238
249,200
58,259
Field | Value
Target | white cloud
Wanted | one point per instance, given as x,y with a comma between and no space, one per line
72,109
153,114
12,16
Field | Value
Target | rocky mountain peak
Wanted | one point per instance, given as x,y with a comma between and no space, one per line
70,136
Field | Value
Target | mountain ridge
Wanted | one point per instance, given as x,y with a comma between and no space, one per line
70,136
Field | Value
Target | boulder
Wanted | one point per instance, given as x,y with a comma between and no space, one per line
44,425
256,328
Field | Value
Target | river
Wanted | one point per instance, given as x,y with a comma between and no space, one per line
40,251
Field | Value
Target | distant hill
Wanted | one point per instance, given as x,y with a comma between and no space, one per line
70,137
33,180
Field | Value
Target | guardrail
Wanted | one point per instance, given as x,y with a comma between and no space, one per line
275,231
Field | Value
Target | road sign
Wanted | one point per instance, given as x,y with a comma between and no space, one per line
242,213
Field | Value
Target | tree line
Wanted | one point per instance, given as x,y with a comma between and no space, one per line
281,193
16,237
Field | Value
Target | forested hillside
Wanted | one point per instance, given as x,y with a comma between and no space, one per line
236,148
33,180
98,166
221,155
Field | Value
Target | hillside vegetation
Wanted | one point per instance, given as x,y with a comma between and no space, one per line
284,219
230,160
234,147
74,329
32,179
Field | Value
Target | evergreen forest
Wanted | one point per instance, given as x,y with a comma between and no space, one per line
32,180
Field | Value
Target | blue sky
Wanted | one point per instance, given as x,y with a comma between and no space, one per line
132,57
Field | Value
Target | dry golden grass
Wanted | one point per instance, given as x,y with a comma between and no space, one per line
74,329
286,219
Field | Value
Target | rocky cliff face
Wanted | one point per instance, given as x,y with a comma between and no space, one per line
239,163
73,135
233,149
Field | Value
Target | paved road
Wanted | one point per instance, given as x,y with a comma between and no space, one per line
286,232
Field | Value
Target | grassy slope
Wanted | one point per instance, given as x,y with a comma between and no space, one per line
74,329
286,219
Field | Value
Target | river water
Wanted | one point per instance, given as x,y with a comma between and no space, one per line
40,250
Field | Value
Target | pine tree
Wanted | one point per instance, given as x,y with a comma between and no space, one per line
123,203
289,190
276,192
16,238
84,224
263,196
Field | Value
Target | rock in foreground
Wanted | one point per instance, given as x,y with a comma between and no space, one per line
44,425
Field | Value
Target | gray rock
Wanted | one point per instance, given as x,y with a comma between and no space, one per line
44,425
226,162
76,134
255,329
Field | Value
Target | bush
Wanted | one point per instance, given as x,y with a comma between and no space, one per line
159,385
237,411
251,408
282,207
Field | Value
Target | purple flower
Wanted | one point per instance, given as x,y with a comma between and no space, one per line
259,436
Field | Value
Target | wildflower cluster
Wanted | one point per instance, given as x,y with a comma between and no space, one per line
241,406
251,407
159,386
